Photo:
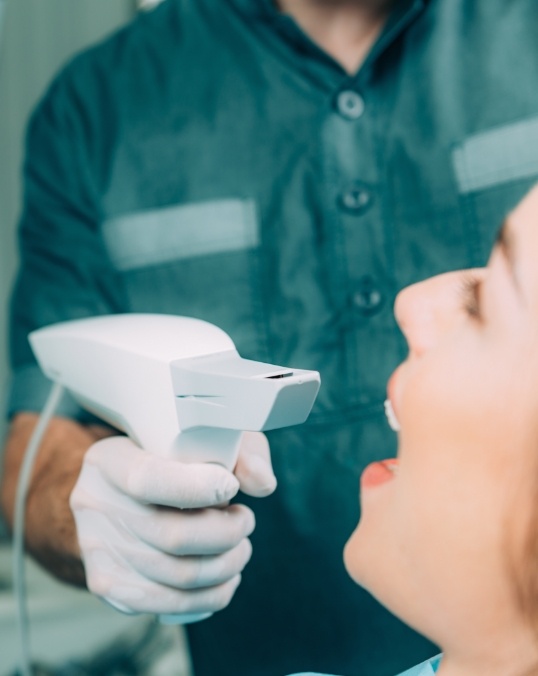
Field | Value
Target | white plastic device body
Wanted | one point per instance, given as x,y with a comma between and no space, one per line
175,385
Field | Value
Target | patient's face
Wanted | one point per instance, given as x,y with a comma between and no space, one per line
440,540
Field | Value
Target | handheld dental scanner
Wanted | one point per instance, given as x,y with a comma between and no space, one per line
176,386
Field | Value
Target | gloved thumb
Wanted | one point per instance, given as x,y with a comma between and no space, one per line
254,470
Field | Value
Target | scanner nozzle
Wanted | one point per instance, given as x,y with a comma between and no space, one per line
223,390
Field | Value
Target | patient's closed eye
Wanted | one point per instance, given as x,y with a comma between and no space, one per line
470,292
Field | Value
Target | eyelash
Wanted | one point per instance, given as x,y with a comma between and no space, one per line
470,292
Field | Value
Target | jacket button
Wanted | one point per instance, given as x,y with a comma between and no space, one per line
356,199
350,104
367,299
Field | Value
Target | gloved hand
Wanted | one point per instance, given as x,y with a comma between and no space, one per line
155,534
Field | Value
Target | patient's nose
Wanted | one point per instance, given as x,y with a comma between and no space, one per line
414,314
427,310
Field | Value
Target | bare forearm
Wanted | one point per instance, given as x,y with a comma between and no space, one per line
50,528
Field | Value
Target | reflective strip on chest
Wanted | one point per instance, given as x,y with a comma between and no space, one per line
502,154
158,236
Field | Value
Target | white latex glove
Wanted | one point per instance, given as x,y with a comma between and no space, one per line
155,535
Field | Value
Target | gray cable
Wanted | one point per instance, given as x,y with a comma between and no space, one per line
19,581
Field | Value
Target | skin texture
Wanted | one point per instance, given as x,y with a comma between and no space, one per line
443,543
50,527
344,29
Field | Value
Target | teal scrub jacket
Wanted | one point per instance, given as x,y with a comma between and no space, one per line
209,160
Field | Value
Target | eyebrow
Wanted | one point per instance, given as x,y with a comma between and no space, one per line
506,244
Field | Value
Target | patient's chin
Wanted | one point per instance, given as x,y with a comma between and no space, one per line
369,558
360,558
370,566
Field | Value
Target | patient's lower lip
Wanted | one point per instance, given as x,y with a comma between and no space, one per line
379,473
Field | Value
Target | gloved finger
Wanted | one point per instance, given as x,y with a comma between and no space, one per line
189,572
133,593
191,532
254,469
153,479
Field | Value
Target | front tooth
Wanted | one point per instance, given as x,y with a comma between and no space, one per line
392,465
391,416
